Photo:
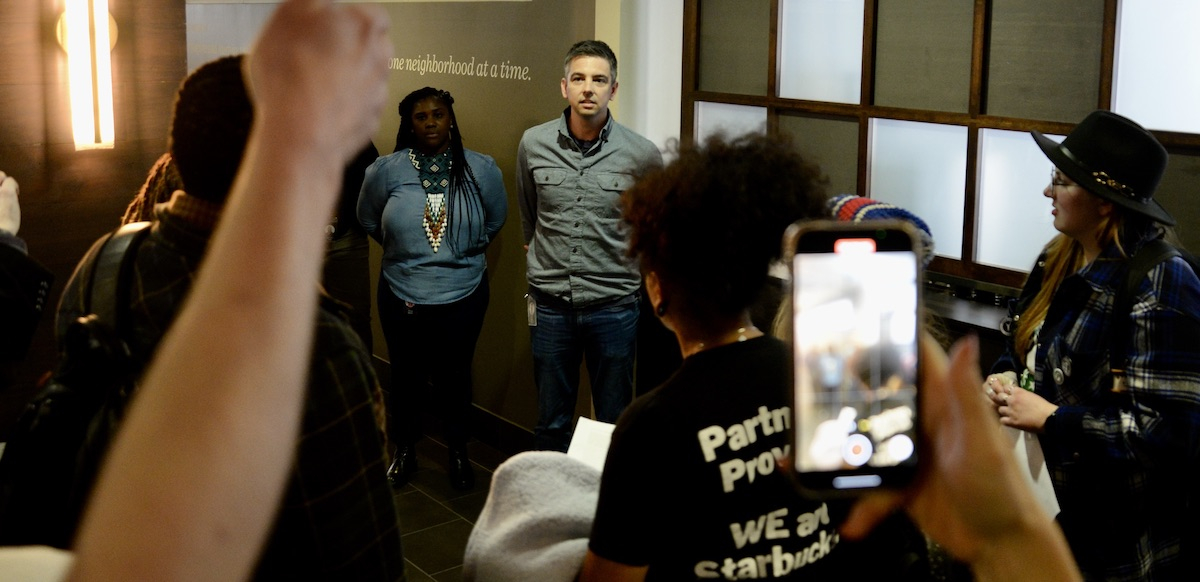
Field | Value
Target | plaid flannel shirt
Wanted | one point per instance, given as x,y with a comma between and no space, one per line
338,519
1122,455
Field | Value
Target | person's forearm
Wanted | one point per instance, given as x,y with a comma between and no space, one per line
1036,551
195,475
229,372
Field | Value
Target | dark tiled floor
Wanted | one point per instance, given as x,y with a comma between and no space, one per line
435,519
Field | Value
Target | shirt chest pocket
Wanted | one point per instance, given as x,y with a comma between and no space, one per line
611,185
553,189
549,177
614,182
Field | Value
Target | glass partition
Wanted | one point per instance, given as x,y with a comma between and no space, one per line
922,168
1013,219
820,50
1157,69
730,120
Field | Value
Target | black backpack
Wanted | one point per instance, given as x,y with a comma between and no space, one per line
1146,258
54,453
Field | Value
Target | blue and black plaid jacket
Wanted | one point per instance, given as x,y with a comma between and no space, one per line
1122,453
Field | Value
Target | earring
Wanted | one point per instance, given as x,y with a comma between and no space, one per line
661,310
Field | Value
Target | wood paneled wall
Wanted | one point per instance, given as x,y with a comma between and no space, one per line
70,198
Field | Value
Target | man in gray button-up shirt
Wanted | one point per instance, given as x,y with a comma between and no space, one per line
583,299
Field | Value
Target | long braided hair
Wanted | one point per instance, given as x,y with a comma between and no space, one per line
464,200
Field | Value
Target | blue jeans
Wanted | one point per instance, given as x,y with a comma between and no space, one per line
561,340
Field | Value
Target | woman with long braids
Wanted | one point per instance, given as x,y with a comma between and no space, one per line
434,206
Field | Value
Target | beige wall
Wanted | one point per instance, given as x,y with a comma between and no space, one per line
492,111
492,114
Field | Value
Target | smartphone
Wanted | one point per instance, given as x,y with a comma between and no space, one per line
856,319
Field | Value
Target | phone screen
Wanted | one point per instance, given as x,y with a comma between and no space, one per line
855,329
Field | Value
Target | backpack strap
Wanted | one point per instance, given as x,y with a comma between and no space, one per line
109,284
1146,258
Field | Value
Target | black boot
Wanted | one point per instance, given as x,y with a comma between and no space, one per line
404,465
462,476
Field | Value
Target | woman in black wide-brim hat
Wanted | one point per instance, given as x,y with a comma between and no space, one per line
1114,399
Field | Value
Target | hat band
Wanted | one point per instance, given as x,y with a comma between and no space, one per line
1104,179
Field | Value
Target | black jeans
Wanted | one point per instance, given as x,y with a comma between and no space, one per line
430,346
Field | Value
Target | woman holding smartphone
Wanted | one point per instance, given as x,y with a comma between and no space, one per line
691,487
1114,399
434,206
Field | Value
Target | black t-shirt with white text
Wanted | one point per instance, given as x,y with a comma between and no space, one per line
691,486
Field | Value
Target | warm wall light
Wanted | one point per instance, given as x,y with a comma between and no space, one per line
88,42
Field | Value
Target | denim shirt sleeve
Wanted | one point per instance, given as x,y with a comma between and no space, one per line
495,198
372,198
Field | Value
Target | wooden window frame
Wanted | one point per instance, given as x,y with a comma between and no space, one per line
865,110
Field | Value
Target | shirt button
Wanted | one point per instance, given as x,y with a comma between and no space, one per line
577,224
1066,365
1059,376
579,199
1075,456
574,250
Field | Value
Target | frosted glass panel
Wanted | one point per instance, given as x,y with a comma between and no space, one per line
820,46
1014,216
731,120
922,167
1158,56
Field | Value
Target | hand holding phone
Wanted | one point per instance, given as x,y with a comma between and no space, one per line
856,317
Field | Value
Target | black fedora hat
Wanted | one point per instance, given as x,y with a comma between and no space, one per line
1113,158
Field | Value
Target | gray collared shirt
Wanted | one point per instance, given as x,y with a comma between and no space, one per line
571,213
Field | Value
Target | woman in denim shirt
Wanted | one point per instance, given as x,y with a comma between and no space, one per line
434,206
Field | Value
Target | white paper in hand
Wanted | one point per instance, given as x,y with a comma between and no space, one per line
1028,452
589,444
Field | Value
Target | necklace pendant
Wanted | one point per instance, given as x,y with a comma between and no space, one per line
434,220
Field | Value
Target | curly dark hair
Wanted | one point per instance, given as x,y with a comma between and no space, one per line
464,202
709,223
209,128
